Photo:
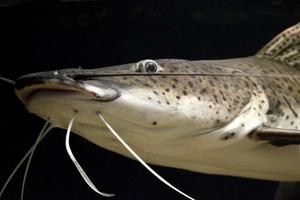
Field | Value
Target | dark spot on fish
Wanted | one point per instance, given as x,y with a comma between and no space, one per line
243,125
211,83
246,84
174,86
278,103
210,106
167,90
228,110
147,85
124,78
177,97
277,78
190,83
290,106
199,98
286,80
154,123
287,117
217,112
149,98
167,102
175,80
216,98
254,93
184,92
222,94
236,101
163,93
290,89
159,102
204,90
225,138
225,86
278,86
259,106
292,122
262,101
153,80
217,121
155,92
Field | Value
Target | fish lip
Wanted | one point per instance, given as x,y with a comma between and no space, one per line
28,85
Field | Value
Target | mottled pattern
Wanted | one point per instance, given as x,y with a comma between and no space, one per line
224,96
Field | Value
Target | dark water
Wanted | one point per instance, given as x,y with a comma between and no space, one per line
38,37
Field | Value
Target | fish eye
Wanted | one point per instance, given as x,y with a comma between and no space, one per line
151,67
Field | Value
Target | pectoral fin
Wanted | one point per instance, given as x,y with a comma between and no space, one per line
277,136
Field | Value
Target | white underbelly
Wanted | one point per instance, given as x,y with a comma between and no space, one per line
247,158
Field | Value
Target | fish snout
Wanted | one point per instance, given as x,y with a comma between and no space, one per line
60,83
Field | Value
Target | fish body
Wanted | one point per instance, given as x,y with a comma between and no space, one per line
211,116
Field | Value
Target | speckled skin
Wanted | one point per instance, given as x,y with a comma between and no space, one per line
225,94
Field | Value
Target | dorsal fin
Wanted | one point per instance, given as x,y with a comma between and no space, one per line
285,47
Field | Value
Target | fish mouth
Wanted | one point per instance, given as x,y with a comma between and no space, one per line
60,83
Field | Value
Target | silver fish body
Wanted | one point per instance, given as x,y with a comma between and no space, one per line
203,116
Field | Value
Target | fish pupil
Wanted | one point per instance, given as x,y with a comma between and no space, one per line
151,67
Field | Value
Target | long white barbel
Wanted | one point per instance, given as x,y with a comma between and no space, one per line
77,165
22,161
140,159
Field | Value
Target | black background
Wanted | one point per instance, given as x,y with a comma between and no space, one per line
51,35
